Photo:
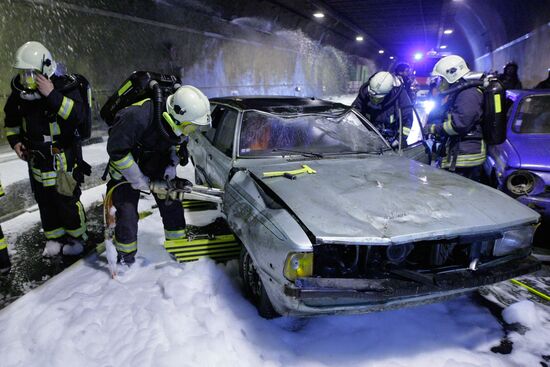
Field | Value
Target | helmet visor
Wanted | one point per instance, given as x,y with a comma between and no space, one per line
27,77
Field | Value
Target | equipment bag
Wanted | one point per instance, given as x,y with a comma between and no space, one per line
494,115
139,86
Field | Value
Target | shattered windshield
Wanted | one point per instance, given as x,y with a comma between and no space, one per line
265,134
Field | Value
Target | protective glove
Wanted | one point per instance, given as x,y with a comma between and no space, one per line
432,129
136,178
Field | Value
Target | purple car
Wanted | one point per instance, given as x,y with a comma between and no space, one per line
521,165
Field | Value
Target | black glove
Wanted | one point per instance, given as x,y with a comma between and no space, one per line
183,154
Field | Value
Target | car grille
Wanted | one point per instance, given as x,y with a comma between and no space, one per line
378,261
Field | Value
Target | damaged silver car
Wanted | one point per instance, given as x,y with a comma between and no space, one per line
332,220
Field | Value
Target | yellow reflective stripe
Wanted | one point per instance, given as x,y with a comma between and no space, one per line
3,244
54,129
10,131
448,126
125,247
114,173
173,235
49,174
61,162
89,93
66,108
406,131
2,193
124,163
468,160
82,229
498,105
54,233
48,183
125,87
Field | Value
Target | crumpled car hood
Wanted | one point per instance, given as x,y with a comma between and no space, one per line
390,199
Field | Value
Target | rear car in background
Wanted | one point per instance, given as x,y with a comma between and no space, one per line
521,165
332,220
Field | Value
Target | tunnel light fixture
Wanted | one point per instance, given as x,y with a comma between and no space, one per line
448,31
381,52
443,47
359,38
391,57
319,15
418,56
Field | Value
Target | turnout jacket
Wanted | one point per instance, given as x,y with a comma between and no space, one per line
136,138
462,128
46,126
385,115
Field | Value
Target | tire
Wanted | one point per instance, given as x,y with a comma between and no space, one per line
253,287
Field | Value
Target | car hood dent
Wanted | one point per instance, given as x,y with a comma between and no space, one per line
389,199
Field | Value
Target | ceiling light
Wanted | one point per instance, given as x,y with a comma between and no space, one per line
443,47
418,55
448,31
318,15
380,52
391,57
359,38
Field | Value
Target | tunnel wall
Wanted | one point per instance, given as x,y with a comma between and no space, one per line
531,52
222,55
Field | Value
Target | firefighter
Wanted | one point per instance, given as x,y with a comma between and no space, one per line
5,264
404,72
384,102
142,150
41,118
509,76
465,149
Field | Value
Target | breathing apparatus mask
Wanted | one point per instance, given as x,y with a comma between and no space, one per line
27,78
179,128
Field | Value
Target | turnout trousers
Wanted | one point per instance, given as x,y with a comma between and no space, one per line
125,201
60,215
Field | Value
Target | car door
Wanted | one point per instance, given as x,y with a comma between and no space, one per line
221,137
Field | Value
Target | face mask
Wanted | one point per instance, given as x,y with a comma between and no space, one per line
443,85
28,79
186,128
376,100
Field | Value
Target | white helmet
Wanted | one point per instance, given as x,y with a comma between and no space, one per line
381,83
187,106
451,68
34,56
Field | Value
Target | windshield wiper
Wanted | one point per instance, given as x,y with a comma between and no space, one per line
377,152
305,154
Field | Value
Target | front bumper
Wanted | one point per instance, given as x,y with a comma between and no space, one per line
310,296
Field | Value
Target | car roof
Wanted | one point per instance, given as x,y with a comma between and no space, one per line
514,94
279,104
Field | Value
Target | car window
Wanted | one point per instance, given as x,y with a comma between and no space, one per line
533,116
216,115
265,134
226,131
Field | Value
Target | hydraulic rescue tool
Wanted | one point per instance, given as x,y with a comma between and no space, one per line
176,190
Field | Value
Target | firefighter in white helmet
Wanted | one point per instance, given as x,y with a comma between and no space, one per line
465,149
142,151
42,113
384,101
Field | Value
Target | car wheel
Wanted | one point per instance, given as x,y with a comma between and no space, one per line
253,287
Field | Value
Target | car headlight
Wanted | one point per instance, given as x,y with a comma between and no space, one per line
514,239
298,265
520,183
